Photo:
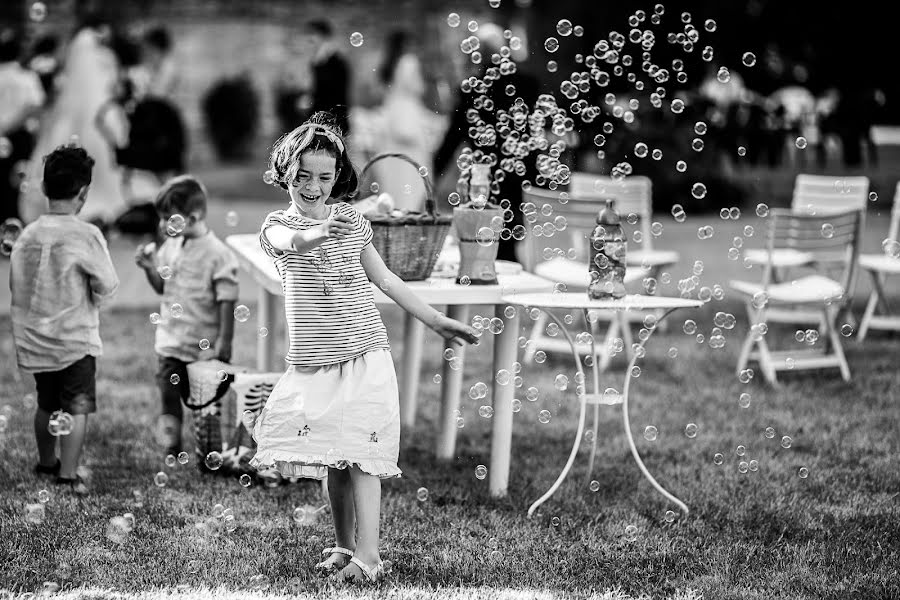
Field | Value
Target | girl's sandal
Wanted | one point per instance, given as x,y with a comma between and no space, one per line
326,568
371,574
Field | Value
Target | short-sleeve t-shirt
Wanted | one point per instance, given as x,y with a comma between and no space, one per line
204,272
328,301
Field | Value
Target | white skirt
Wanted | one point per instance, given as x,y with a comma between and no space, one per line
346,414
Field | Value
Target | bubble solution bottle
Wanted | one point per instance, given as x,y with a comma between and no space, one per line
608,247
477,238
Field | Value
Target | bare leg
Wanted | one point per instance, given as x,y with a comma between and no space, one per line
367,495
70,447
46,442
340,495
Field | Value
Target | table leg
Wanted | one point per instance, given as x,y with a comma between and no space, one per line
414,334
582,401
505,351
451,387
630,438
265,345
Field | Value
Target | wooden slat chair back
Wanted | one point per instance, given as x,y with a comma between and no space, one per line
580,205
827,235
825,194
880,266
830,234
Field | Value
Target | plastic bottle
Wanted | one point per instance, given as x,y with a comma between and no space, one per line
608,247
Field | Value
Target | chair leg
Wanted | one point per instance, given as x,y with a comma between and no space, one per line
766,363
537,334
831,316
867,315
626,332
746,347
611,334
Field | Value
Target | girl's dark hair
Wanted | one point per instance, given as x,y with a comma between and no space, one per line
397,45
66,170
320,133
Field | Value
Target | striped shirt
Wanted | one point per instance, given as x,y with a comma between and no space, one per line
328,302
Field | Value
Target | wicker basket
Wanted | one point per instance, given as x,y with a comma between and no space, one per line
409,245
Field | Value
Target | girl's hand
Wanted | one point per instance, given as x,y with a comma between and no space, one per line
339,227
145,256
455,331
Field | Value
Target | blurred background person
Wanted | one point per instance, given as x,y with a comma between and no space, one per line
157,73
404,124
292,89
21,99
525,86
330,74
88,80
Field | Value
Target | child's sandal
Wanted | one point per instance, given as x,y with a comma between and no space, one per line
371,574
328,568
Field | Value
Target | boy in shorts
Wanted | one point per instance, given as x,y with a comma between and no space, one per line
60,273
196,274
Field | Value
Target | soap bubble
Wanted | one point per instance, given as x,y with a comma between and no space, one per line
241,313
631,533
803,472
176,310
422,494
245,480
356,39
453,20
690,430
650,433
161,479
213,461
786,441
183,458
801,142
544,416
480,472
175,225
718,458
749,59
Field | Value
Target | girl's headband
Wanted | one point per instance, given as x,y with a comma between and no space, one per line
313,128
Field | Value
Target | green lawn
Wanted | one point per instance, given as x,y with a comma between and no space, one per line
764,534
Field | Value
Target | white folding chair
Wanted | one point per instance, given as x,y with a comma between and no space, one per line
585,195
880,267
817,235
818,195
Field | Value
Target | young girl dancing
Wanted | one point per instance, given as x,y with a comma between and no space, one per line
335,411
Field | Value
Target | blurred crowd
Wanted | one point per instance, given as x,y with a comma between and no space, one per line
109,91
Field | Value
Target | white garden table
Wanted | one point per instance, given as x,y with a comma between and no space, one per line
610,397
435,291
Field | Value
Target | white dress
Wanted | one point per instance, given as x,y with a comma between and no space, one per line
338,403
86,83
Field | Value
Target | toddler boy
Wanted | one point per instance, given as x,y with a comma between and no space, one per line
60,273
196,274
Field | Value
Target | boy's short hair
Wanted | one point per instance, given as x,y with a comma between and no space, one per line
321,27
66,170
182,195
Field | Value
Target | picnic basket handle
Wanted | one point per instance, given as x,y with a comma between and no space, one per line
430,205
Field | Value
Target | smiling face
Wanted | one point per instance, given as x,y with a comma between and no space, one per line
311,187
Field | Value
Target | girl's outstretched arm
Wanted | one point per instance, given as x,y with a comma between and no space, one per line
397,290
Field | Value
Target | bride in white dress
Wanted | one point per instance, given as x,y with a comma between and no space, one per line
406,125
87,81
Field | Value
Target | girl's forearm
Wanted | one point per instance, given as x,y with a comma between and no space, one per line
400,293
291,240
